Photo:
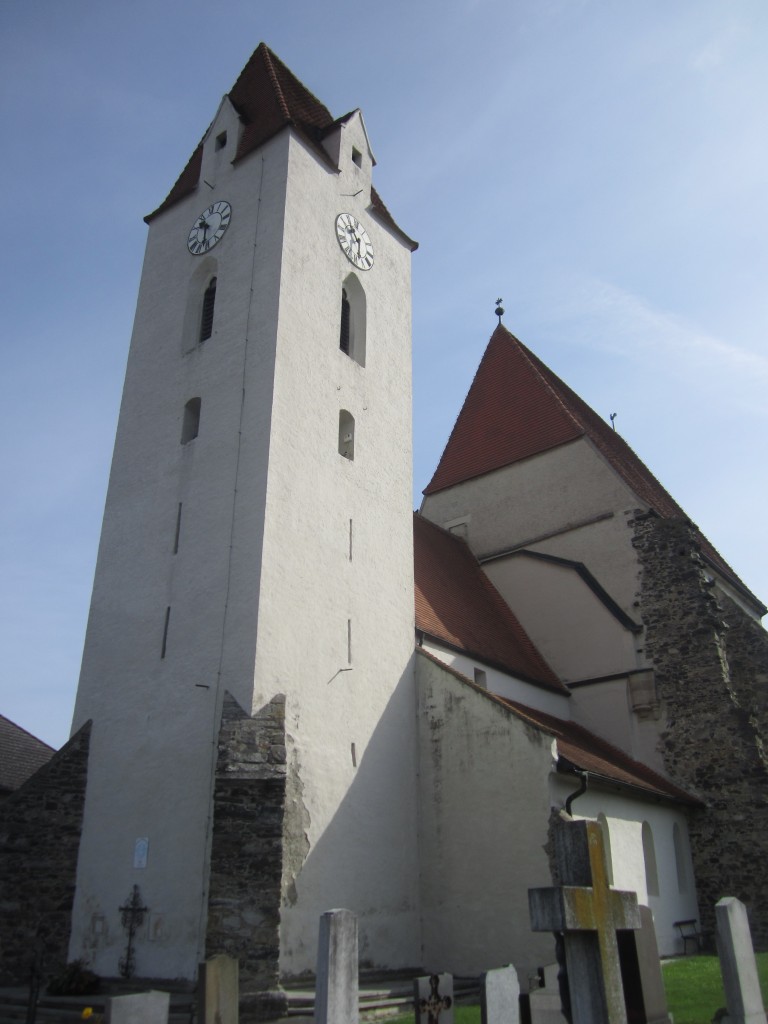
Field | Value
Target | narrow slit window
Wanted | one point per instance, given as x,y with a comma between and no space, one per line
191,424
347,435
345,323
165,632
221,141
178,531
357,157
206,317
480,678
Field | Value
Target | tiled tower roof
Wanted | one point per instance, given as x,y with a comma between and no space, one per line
269,97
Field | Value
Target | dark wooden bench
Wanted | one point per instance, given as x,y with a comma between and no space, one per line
689,932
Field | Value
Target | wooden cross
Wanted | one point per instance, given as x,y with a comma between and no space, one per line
588,913
434,1004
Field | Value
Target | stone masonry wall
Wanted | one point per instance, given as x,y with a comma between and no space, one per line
40,827
711,667
246,852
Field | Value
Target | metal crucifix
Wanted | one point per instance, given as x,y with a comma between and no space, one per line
131,918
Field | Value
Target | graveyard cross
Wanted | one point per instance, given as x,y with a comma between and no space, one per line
434,1004
588,913
131,918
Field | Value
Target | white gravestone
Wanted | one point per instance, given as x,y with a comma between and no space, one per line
139,1008
218,991
433,999
500,997
336,997
743,998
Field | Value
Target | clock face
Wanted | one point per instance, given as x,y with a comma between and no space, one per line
354,241
209,228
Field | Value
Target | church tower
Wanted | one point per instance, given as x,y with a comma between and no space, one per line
256,553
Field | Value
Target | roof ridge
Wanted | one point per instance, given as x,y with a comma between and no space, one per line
272,74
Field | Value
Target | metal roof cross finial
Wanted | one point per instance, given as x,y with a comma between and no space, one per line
499,310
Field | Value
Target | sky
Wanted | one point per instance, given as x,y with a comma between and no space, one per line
602,166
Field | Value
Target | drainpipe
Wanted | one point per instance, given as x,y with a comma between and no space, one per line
584,776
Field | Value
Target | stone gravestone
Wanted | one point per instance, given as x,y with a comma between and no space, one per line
139,1008
545,1002
500,997
644,995
218,991
737,963
589,914
336,996
433,999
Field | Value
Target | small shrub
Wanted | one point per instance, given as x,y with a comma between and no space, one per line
77,979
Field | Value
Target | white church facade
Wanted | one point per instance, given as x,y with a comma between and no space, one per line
268,722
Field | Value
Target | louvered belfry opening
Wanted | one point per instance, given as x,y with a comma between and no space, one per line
206,320
345,323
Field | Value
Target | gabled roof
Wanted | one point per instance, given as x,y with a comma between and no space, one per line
458,605
517,407
21,754
579,748
269,97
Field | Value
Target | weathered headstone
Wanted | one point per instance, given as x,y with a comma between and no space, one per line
644,994
500,996
545,1002
139,1008
433,999
743,998
336,996
218,991
589,914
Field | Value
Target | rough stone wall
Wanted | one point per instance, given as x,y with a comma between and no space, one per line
40,826
246,851
711,667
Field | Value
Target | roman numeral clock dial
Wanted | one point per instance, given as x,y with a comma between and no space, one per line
209,228
354,241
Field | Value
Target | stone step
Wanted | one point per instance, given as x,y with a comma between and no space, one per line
69,1009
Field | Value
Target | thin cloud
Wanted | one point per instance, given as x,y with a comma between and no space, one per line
632,327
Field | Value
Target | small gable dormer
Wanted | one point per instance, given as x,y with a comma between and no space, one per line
346,143
220,143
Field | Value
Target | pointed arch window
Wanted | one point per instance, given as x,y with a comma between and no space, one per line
649,854
681,857
347,435
352,330
206,317
190,426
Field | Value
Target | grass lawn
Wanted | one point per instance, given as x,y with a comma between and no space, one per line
694,991
695,988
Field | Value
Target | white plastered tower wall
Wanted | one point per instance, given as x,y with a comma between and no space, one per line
336,635
244,533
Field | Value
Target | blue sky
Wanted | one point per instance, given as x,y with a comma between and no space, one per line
602,166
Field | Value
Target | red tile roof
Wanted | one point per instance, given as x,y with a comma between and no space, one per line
591,753
578,747
269,97
21,754
458,605
517,407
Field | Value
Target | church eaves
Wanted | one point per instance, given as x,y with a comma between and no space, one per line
268,97
517,407
457,604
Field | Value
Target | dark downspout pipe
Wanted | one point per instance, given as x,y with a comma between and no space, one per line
584,776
